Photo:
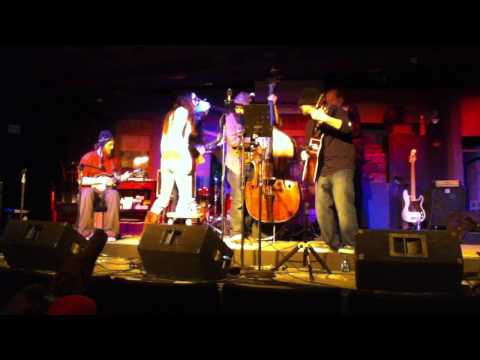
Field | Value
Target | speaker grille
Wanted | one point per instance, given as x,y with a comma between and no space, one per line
444,202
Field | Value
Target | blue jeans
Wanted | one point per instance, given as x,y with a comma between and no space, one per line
336,190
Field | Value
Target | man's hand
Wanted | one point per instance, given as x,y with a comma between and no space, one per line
273,98
201,149
125,176
111,182
319,115
304,155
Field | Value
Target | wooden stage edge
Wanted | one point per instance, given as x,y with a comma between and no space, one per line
294,271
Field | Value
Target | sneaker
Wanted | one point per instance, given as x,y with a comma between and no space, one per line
264,238
324,245
347,249
236,237
190,212
111,239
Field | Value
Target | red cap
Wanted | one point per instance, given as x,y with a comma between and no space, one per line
73,305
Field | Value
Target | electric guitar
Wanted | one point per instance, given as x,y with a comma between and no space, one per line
314,148
413,211
310,166
103,181
207,149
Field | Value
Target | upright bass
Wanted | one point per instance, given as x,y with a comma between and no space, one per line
280,195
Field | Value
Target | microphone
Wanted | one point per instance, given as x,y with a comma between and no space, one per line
228,101
24,176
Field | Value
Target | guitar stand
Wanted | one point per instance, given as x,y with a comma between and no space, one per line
307,251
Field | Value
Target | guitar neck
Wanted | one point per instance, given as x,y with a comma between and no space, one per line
413,194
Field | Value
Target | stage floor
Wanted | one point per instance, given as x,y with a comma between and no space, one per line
120,287
117,256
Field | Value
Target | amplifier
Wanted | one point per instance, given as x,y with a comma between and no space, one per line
447,183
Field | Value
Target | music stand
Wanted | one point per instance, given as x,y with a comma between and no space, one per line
257,121
258,124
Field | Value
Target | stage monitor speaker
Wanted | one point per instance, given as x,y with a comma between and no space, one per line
184,252
443,203
40,245
1,204
410,261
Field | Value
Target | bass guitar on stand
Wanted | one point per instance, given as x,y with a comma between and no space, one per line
413,211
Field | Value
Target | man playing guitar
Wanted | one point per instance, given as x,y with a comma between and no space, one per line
334,187
99,175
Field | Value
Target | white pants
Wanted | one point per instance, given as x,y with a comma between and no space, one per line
169,178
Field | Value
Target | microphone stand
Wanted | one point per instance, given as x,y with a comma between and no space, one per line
222,179
23,182
79,193
223,126
242,197
220,138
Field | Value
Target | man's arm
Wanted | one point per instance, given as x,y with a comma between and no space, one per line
340,122
279,121
232,131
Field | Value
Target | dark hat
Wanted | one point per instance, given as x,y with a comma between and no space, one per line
309,96
104,137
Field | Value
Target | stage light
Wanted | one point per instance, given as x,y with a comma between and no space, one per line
140,161
435,118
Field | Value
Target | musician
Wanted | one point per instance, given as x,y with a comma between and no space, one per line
234,129
234,124
99,169
335,179
176,160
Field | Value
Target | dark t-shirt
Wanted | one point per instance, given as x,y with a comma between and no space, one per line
338,151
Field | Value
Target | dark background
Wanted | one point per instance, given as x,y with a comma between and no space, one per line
61,96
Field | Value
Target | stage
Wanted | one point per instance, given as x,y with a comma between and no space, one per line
273,252
120,287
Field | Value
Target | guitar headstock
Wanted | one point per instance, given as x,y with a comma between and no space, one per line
271,87
273,80
413,156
